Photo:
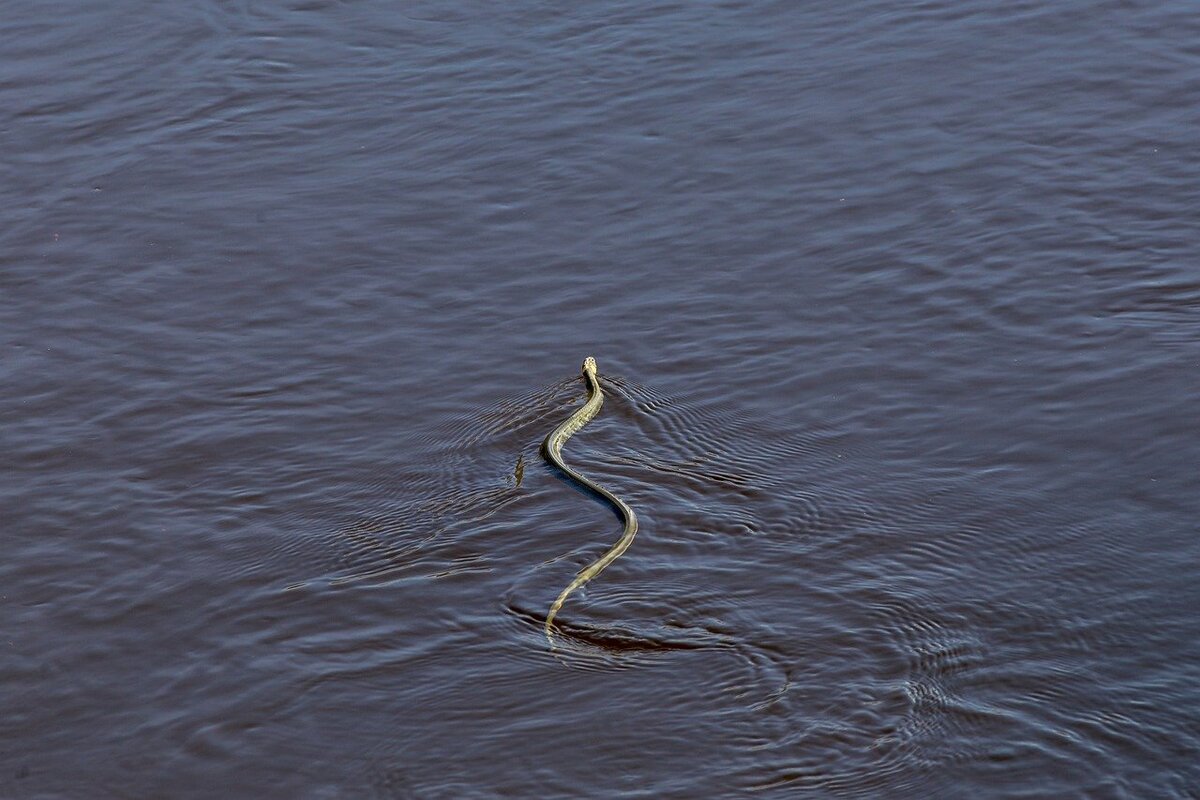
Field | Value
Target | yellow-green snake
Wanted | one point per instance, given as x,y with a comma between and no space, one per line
552,450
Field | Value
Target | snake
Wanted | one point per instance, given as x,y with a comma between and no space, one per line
552,451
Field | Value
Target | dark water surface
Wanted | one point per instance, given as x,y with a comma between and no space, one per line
897,306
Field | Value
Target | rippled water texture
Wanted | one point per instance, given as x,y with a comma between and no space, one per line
897,306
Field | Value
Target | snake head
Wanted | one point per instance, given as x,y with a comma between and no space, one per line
589,366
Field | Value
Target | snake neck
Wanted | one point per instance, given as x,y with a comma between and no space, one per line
594,392
558,437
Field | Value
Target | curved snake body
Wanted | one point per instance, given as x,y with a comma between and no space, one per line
552,450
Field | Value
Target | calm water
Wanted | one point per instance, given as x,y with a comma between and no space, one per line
898,311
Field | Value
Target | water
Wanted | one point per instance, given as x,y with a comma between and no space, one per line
898,311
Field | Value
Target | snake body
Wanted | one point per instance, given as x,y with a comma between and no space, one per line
552,450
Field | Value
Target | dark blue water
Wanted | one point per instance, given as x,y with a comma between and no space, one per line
897,309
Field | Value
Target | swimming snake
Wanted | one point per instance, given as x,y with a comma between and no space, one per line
552,450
